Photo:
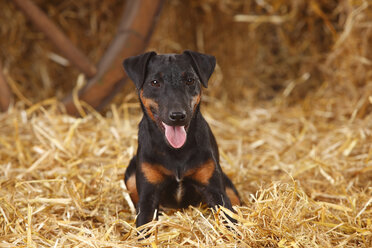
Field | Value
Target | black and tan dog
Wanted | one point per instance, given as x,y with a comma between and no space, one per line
177,161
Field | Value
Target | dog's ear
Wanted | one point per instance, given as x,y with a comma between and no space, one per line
135,67
203,64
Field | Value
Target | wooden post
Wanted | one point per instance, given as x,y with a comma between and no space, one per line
67,48
134,32
5,95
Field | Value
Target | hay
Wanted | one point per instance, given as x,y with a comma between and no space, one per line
252,47
304,174
302,162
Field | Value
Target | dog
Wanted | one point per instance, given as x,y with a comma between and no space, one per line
177,160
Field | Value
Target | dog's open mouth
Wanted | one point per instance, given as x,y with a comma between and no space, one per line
175,135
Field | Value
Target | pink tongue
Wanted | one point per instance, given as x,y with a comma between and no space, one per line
176,135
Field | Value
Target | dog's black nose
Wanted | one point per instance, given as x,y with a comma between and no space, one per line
177,116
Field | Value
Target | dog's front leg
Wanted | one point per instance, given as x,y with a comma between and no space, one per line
150,181
216,198
214,194
209,182
148,203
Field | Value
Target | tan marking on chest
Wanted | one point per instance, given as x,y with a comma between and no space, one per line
234,199
149,103
179,192
155,173
132,188
202,173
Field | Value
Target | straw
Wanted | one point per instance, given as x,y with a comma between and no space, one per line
290,106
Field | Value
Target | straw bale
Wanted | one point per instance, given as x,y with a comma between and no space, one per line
302,160
269,45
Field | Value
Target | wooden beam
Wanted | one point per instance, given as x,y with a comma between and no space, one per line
134,32
5,94
54,34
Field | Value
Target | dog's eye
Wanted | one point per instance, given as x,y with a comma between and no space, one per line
155,83
190,81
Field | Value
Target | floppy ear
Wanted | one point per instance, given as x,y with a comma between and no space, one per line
203,64
135,67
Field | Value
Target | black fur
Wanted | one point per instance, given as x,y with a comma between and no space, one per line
179,78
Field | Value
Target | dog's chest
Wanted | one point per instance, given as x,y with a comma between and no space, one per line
187,179
179,192
181,181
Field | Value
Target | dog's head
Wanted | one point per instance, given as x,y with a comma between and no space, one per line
169,87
